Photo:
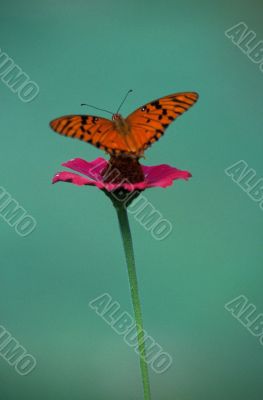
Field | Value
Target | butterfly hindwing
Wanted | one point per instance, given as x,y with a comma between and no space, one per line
149,122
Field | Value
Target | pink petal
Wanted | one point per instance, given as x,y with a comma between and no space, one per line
163,175
79,180
72,178
91,169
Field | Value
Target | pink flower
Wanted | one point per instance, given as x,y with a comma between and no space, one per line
95,172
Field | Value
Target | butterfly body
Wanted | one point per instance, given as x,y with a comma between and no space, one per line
121,124
129,136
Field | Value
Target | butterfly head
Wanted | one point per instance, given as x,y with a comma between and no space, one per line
116,117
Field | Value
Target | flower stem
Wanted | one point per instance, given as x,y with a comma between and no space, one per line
128,248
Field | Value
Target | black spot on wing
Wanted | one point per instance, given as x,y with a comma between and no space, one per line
156,104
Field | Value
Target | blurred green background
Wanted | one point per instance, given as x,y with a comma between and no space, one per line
94,51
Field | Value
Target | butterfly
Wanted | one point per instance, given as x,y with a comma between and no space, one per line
129,136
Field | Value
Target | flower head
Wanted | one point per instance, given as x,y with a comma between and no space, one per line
121,178
115,174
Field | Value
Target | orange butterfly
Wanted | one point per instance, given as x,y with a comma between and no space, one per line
128,136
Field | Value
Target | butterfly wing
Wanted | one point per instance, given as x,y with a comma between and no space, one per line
145,125
148,123
98,131
90,129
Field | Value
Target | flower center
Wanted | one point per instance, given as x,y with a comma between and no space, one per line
122,168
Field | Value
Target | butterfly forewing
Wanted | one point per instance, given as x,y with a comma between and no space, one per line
148,123
90,129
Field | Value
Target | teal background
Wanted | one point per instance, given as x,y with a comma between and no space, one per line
94,51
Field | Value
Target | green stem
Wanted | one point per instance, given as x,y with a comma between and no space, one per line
128,248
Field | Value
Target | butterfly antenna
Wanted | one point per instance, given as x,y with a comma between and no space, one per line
101,109
129,91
